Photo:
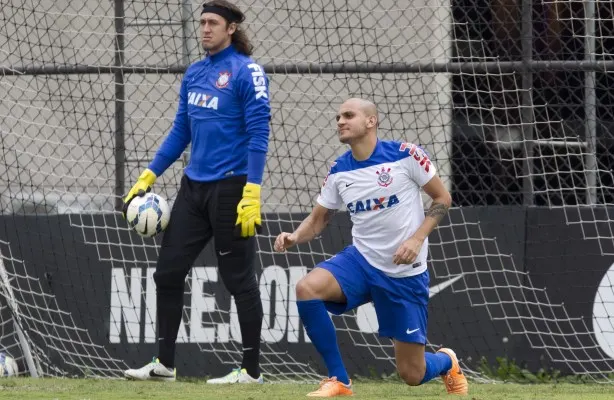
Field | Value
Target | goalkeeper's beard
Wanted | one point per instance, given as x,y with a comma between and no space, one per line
208,47
216,47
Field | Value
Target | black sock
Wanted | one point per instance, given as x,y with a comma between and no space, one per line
249,310
170,309
166,352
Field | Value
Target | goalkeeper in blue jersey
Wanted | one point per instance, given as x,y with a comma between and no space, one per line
224,112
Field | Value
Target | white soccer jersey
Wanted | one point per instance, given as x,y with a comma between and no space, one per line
382,195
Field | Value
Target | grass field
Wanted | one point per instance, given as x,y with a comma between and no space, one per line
81,389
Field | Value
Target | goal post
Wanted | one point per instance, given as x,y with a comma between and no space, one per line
6,292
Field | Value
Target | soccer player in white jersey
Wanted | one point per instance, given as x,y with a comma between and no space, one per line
379,183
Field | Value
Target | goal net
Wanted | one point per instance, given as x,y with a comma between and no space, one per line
515,119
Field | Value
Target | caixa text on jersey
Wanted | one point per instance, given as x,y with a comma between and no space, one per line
372,204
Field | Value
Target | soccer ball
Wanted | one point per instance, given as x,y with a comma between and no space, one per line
148,215
8,366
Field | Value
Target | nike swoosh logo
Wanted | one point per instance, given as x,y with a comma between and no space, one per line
435,290
223,253
153,374
349,184
412,331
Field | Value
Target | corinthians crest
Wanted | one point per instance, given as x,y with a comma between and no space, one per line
222,80
384,178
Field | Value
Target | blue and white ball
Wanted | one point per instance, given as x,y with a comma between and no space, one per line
8,366
148,215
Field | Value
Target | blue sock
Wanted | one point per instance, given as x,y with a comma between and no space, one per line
321,331
436,364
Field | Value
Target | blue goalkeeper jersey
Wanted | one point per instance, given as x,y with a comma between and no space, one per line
224,111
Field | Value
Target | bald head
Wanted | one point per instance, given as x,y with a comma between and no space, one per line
365,106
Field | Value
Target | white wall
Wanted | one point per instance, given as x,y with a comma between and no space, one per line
58,131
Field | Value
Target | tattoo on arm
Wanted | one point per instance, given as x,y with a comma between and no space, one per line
437,211
330,214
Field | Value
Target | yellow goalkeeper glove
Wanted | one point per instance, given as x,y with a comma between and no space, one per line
142,186
248,211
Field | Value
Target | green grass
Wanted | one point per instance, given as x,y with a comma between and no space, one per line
91,389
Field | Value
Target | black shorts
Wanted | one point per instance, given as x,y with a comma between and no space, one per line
201,212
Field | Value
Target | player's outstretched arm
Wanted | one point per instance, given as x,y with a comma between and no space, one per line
170,150
311,227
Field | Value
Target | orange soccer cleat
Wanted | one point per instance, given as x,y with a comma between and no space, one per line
455,380
331,387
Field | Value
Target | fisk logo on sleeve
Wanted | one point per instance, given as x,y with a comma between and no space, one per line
259,81
418,154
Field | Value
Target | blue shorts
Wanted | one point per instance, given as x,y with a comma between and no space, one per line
400,303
